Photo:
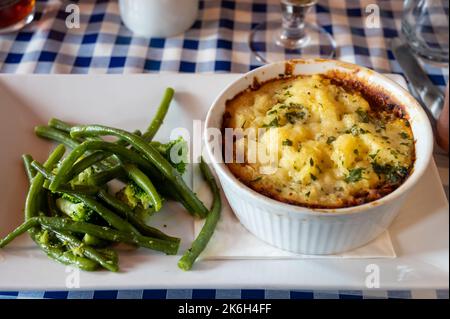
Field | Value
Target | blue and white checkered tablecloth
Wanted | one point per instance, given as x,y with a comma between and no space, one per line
217,42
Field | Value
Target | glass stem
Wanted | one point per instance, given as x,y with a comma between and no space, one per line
293,34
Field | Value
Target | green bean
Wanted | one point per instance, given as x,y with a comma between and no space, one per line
31,172
42,170
65,172
110,254
128,214
66,127
110,234
208,228
32,202
109,216
27,225
32,205
90,190
84,189
96,157
56,135
68,258
151,154
88,161
59,125
64,224
160,115
137,176
87,251
94,241
105,176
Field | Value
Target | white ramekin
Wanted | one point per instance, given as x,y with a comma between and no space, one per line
317,231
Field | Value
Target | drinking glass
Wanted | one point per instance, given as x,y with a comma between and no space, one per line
15,14
292,37
425,27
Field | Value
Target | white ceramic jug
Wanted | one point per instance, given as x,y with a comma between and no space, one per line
158,18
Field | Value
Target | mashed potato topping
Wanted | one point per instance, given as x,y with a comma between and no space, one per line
332,147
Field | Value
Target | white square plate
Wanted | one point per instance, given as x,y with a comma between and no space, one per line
420,234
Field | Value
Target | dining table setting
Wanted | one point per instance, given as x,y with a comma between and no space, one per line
111,61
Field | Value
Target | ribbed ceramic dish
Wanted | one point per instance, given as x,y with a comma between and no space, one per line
318,231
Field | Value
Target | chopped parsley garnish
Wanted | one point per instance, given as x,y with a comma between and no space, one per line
287,142
393,173
311,162
372,156
273,123
363,115
404,135
293,116
355,130
354,175
330,139
308,193
394,153
313,177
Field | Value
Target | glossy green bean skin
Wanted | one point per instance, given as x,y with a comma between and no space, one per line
107,175
68,258
89,190
89,161
84,189
107,233
59,125
94,241
87,251
55,253
32,204
64,224
55,135
129,215
160,115
110,254
65,172
96,157
42,170
137,176
27,160
109,216
151,154
36,187
208,228
29,224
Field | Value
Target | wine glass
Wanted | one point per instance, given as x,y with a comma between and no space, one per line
292,37
425,26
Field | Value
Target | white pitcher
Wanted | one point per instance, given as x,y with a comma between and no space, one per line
158,18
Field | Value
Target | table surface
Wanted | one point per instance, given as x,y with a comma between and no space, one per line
217,42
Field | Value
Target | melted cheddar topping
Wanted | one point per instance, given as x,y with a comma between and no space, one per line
330,147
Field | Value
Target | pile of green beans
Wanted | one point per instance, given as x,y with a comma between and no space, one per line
133,158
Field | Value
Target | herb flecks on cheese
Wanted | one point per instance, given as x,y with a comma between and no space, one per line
333,148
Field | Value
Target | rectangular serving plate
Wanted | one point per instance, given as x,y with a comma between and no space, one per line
420,234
